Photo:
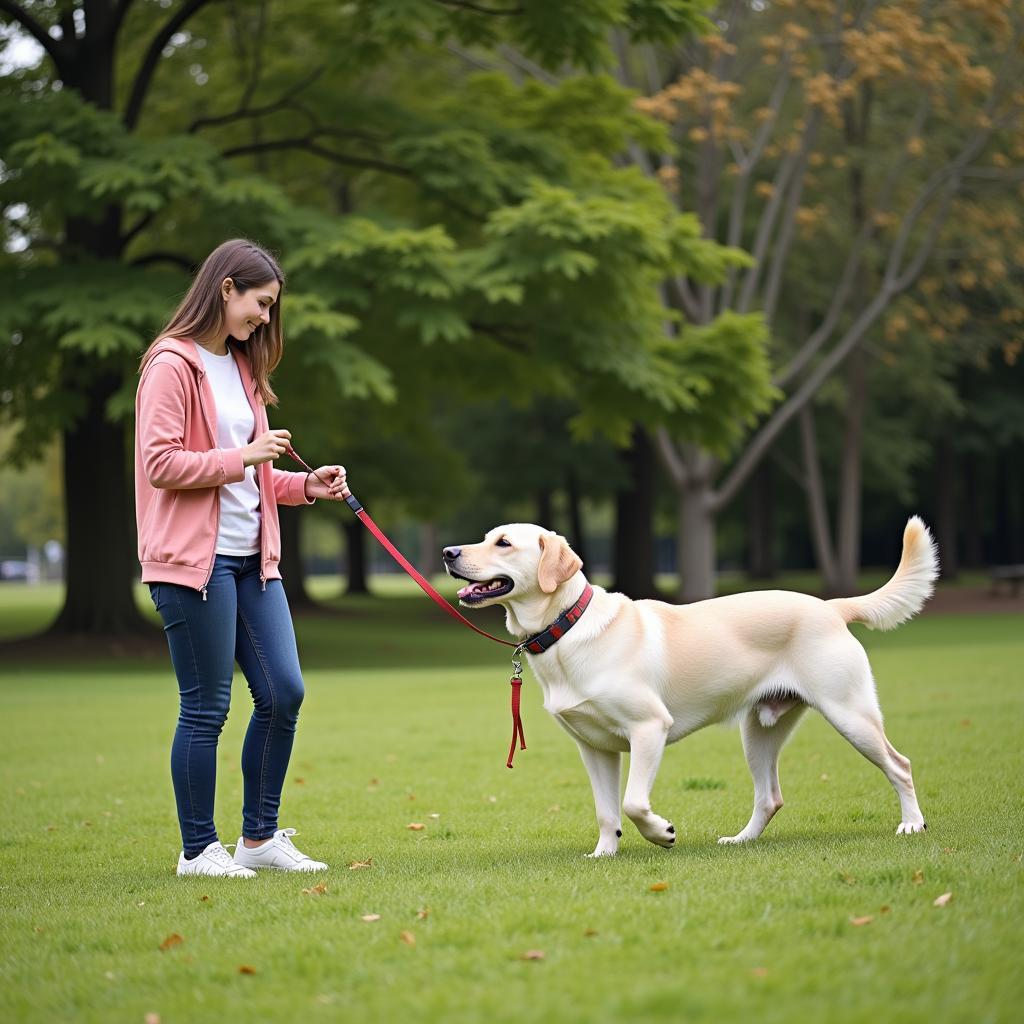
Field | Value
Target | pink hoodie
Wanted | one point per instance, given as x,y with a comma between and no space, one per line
179,468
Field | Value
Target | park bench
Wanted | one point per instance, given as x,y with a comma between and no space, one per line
1012,575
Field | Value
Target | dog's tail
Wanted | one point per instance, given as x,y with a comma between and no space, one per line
905,594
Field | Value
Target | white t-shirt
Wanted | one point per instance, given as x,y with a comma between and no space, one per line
239,532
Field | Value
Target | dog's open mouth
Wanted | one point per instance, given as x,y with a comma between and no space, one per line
482,590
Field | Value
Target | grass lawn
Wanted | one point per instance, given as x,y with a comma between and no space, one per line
406,720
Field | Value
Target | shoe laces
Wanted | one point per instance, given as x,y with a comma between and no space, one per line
285,835
221,856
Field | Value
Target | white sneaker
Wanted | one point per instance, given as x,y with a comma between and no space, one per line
278,853
214,860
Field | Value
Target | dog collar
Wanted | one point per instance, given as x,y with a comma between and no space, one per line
540,642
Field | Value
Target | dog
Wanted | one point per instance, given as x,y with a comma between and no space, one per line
622,675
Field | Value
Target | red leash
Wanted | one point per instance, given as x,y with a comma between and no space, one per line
516,680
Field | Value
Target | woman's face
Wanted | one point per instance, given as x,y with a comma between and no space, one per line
245,311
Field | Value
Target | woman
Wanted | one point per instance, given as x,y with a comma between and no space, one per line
209,542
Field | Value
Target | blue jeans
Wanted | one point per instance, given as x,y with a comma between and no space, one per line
238,621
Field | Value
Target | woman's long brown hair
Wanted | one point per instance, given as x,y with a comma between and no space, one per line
201,312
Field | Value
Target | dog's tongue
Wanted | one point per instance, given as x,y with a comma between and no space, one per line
473,588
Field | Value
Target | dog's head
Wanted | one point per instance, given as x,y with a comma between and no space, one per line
513,562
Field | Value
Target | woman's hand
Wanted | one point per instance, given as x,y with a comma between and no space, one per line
268,446
336,488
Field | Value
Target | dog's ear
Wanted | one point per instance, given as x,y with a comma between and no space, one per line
558,563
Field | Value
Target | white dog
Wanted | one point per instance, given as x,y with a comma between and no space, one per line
621,675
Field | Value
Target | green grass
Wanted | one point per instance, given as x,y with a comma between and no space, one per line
406,717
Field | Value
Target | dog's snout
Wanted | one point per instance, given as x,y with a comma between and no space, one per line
450,554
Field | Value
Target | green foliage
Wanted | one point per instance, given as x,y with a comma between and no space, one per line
471,228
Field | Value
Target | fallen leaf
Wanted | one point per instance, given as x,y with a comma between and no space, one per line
423,914
408,938
554,809
246,969
357,864
415,826
436,817
533,954
492,799
51,828
152,1018
885,909
204,899
965,721
174,939
941,901
300,782
824,776
412,796
374,782
917,877
848,879
316,890
589,933
370,917
759,972
858,921
659,887
141,903
39,929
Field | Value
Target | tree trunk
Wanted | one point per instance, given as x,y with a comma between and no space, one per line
101,561
292,573
633,554
576,537
355,547
696,542
817,507
761,523
430,551
545,517
974,540
945,504
850,476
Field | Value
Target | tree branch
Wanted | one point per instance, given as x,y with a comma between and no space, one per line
673,461
309,145
164,257
117,16
285,102
478,9
57,49
144,76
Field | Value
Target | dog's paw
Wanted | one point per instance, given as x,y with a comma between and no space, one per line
742,837
907,827
602,851
658,831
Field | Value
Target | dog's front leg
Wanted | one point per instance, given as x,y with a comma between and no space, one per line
646,745
603,768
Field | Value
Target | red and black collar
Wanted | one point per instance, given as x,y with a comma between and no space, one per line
540,642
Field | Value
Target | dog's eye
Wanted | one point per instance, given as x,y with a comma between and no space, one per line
502,543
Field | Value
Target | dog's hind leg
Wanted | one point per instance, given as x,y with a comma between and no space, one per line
762,745
862,726
603,767
646,745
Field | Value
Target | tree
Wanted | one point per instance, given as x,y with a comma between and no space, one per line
774,119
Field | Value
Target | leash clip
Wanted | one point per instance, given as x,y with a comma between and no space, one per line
517,664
